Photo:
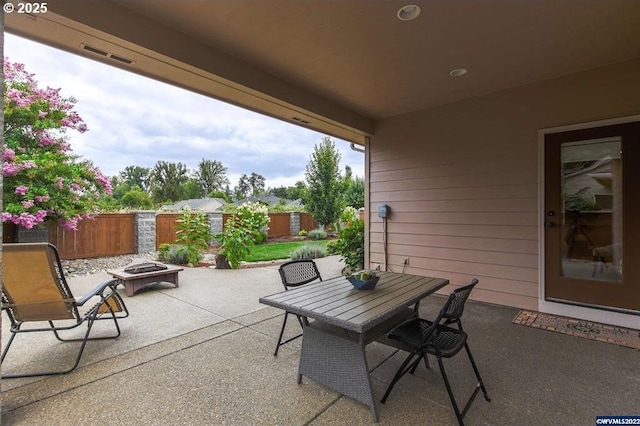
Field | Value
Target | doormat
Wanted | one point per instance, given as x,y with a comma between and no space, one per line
590,330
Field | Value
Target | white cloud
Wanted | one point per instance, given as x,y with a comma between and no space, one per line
134,120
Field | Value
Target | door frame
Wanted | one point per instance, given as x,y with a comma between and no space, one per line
618,318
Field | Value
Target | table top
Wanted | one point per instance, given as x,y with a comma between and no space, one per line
335,301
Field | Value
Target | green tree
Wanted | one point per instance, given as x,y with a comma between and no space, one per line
137,176
280,191
219,194
193,189
323,198
296,191
136,197
353,189
211,175
256,182
168,180
242,190
43,179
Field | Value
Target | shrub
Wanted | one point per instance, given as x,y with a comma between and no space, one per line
351,245
303,233
318,234
162,251
235,241
174,254
194,234
309,252
254,217
333,247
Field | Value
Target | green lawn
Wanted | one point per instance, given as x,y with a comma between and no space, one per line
276,251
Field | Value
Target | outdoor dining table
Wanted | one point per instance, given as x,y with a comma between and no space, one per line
346,320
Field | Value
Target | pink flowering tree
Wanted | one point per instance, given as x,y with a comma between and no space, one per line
43,179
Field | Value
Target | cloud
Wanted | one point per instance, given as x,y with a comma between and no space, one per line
134,120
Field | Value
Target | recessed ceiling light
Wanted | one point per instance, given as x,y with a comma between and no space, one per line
458,72
409,12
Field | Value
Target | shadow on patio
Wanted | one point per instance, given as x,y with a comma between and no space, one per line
203,354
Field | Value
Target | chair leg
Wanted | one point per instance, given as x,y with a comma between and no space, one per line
475,369
284,324
479,386
53,373
404,368
450,392
426,362
6,348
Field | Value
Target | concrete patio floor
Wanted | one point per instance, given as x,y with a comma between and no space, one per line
202,354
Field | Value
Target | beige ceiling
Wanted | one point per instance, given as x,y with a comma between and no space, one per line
340,65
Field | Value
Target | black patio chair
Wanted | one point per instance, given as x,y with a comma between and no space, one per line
34,290
293,274
420,337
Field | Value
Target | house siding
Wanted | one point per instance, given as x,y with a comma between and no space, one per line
462,180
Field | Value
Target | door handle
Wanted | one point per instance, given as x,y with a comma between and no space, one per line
550,224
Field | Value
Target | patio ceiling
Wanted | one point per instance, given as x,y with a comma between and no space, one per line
337,66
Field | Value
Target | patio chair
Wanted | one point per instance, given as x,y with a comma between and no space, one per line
293,274
34,290
420,337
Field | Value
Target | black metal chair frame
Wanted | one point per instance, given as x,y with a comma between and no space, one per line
421,337
293,274
108,306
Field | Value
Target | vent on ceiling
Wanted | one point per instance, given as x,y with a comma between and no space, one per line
106,54
300,120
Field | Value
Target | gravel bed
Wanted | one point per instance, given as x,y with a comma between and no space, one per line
78,267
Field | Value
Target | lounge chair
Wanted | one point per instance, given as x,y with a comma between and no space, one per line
34,290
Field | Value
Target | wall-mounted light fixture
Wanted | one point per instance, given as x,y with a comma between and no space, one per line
409,12
458,72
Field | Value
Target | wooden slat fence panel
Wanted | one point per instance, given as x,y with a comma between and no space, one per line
307,222
166,228
279,224
106,235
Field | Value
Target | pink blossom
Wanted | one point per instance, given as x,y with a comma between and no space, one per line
42,198
46,141
59,183
27,204
26,220
8,154
9,169
21,190
70,224
27,165
42,114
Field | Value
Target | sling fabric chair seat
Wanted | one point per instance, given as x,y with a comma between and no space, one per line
293,274
34,290
420,337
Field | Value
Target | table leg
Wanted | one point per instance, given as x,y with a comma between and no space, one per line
339,363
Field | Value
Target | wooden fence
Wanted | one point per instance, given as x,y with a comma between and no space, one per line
107,235
115,234
278,225
166,228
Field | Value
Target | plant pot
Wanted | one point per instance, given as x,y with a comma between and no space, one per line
222,262
359,284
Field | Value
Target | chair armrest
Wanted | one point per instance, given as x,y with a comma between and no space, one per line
97,291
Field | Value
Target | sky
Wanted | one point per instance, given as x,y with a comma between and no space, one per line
134,120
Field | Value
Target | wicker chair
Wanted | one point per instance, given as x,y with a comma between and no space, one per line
34,290
420,337
293,274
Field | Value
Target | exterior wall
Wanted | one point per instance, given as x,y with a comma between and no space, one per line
462,180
